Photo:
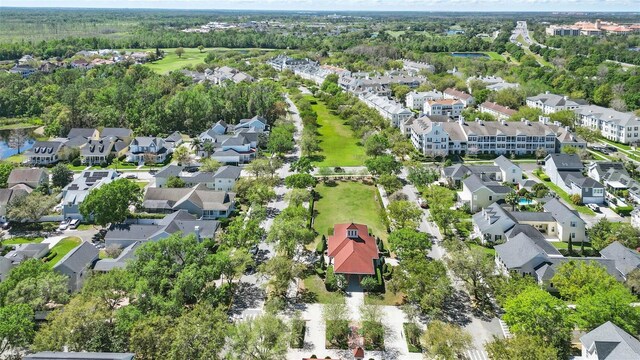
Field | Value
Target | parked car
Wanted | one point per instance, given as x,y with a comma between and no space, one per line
64,224
594,207
74,223
5,225
132,176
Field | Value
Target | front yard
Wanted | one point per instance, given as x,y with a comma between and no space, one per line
563,195
62,248
22,240
345,202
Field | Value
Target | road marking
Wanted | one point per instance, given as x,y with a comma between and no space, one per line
476,355
505,329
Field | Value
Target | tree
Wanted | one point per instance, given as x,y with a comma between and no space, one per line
61,175
296,197
30,207
210,165
17,328
564,117
474,268
421,175
445,341
384,164
179,51
300,181
521,347
376,145
151,337
603,233
175,182
541,153
110,203
182,155
576,279
512,199
407,243
265,337
33,282
336,317
608,304
390,183
281,271
599,234
303,165
260,194
589,135
280,140
404,214
264,167
5,171
17,138
535,312
603,95
200,333
232,263
526,112
200,48
424,283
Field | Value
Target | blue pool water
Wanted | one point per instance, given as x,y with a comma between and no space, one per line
524,201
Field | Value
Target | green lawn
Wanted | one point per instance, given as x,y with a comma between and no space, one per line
142,184
16,159
580,208
386,299
63,247
339,146
22,240
191,56
316,292
565,245
495,56
348,202
490,252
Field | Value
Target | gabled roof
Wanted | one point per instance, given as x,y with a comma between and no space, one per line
81,132
8,195
491,215
610,342
565,161
352,255
520,250
474,183
174,137
25,175
560,212
117,132
199,195
120,262
78,258
458,94
44,148
503,163
626,259
228,172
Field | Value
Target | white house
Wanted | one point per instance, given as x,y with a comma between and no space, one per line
466,99
551,103
415,100
143,148
622,127
448,107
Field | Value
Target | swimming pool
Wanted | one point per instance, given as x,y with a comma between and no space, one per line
524,201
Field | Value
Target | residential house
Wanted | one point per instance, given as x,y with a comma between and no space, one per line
32,178
140,231
86,133
226,73
256,123
570,225
415,100
145,148
511,173
81,64
379,85
198,200
75,193
283,62
498,111
123,134
77,263
126,255
609,342
84,355
551,103
101,150
6,197
448,107
352,251
224,179
614,125
23,70
627,260
503,170
479,194
174,140
434,137
565,170
20,253
417,67
502,86
45,153
466,99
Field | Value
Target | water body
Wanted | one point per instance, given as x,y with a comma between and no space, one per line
15,141
470,55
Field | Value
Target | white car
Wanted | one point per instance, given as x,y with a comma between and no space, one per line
64,224
594,207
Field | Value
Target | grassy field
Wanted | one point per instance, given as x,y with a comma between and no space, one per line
339,146
347,202
22,240
16,159
63,247
316,292
191,57
495,56
386,299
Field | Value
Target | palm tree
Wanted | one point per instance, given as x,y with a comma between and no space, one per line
529,197
195,143
512,199
208,147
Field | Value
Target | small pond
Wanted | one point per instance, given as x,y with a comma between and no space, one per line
470,55
15,141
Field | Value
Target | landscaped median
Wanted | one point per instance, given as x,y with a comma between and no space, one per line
561,193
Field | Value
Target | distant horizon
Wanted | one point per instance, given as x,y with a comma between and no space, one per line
415,6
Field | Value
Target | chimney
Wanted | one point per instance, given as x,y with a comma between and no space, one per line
547,92
566,97
527,122
477,119
461,120
522,119
196,230
503,122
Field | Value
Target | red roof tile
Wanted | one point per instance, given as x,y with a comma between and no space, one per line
352,255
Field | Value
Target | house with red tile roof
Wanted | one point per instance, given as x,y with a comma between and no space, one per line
352,251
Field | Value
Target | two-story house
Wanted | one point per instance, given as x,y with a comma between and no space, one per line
144,148
566,171
448,107
479,194
551,103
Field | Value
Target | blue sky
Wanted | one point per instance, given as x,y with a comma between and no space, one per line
369,5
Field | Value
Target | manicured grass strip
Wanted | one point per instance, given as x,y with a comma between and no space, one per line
386,299
565,245
490,252
22,240
580,208
346,202
339,145
412,337
62,248
495,56
316,292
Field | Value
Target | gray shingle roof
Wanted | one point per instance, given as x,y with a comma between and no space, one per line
560,212
25,175
520,250
228,172
533,216
611,343
502,162
565,161
626,259
117,132
81,132
120,262
79,257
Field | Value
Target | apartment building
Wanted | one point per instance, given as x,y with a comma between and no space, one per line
496,110
466,99
614,125
389,109
551,103
436,137
448,107
415,100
